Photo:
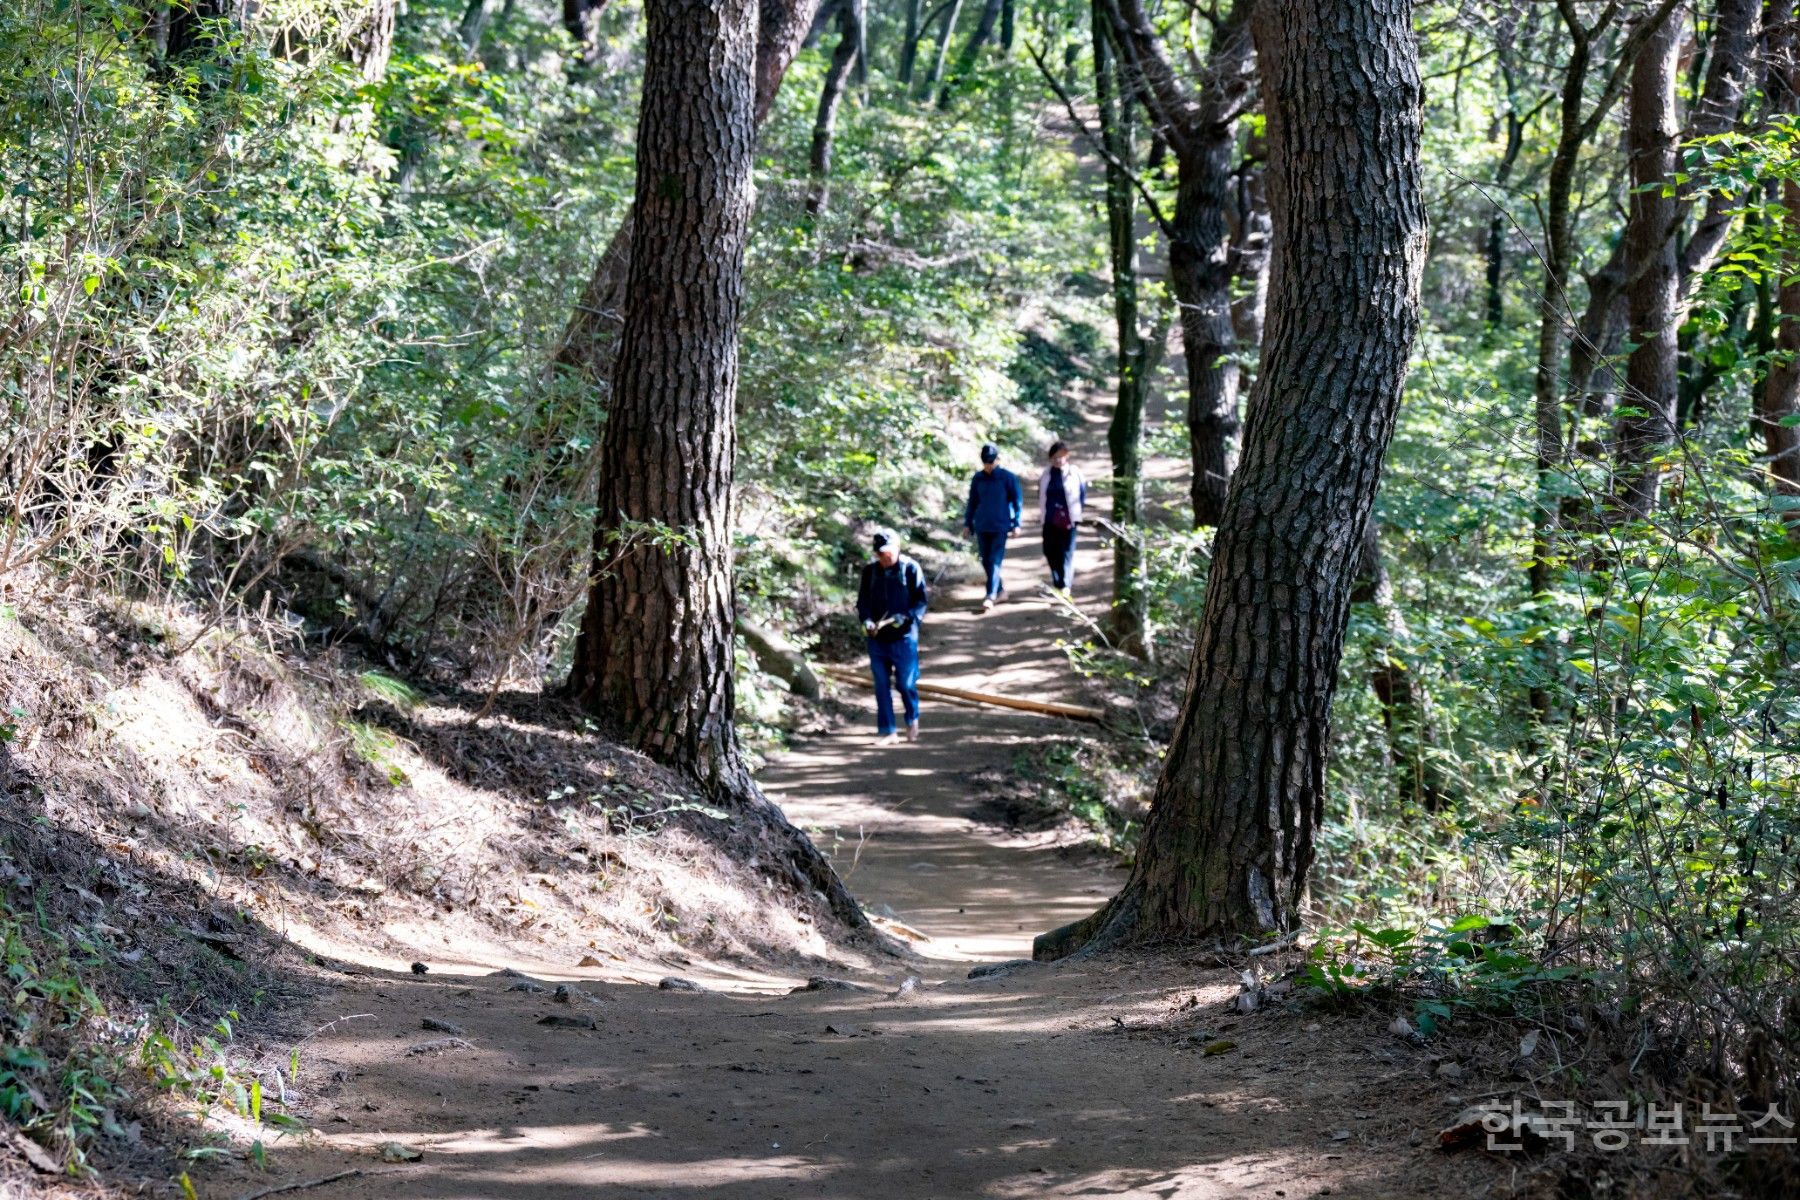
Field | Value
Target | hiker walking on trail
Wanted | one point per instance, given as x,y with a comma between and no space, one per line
991,515
891,602
1062,495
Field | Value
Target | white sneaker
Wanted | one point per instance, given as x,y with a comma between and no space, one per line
987,603
888,739
912,732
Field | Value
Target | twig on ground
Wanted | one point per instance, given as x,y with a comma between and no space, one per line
1280,943
305,1184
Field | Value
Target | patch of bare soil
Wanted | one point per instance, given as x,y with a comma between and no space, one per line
1132,1077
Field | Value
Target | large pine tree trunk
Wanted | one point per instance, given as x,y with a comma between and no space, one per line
1230,837
658,651
590,340
1651,294
656,658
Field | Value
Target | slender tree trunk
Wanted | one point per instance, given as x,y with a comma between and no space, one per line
1599,334
578,17
1513,123
1647,430
946,27
472,25
850,24
1230,838
1129,622
372,45
909,43
1202,131
1250,231
1552,306
1730,73
971,51
1405,702
1574,130
1778,407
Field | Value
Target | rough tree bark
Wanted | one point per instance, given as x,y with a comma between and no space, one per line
1138,356
1230,836
1201,129
656,660
591,337
843,57
1647,428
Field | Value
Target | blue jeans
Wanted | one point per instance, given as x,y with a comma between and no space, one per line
894,663
993,553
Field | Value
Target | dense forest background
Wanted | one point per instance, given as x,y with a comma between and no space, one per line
304,332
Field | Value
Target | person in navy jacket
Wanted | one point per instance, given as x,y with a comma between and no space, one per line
991,515
891,601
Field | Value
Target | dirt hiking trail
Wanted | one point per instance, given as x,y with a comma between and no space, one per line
1078,1079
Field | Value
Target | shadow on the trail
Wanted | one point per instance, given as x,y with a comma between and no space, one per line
1016,1086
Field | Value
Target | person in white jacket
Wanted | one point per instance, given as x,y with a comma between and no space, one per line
1062,494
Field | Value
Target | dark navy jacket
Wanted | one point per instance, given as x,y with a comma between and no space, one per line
994,502
896,591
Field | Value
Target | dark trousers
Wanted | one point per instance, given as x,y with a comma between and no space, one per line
993,553
1059,552
894,664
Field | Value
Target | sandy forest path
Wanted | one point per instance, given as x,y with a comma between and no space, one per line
1035,1081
